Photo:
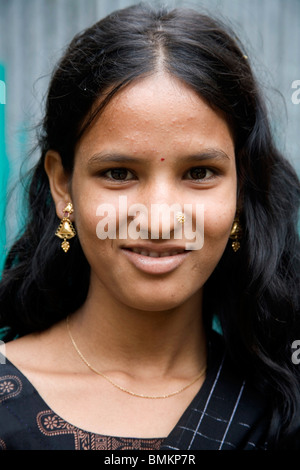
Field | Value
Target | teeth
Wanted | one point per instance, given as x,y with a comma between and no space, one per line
155,254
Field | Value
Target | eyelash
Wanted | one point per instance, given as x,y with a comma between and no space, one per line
201,168
104,174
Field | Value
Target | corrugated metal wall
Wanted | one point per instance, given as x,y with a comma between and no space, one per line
33,34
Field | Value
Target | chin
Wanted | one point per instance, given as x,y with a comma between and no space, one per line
154,301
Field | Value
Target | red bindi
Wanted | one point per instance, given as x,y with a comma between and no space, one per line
162,159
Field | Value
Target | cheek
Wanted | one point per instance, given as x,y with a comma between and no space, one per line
85,203
96,251
96,220
219,213
217,227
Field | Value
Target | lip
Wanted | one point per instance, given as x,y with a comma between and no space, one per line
155,265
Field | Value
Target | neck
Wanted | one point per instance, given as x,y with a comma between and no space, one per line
116,336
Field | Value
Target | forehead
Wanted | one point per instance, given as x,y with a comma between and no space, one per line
159,111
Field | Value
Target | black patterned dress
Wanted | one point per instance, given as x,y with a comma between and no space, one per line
226,414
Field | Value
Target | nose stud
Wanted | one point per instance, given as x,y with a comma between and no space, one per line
180,217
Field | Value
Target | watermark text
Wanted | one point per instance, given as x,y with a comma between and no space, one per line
296,94
296,353
166,221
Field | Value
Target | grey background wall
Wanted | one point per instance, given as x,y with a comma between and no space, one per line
33,34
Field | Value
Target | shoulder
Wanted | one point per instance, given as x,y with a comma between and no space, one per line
21,362
26,421
11,384
17,408
36,352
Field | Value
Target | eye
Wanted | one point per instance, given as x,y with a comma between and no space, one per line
199,173
118,174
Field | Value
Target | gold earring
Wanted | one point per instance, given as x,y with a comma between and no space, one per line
236,234
66,229
180,217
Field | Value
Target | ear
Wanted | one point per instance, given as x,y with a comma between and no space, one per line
59,181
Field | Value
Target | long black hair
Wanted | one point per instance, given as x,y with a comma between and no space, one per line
255,292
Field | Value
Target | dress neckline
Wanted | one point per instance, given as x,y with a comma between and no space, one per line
44,405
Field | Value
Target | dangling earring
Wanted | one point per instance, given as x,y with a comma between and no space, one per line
66,229
236,234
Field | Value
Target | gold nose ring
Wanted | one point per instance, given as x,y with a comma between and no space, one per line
180,217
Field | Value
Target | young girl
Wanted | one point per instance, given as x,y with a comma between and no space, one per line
111,311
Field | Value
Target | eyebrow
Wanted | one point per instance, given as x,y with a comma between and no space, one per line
206,154
113,157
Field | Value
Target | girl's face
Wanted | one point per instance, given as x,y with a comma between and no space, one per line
156,143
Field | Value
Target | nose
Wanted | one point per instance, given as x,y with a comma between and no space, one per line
161,200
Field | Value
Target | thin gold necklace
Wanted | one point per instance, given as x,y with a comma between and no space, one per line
152,397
